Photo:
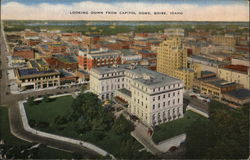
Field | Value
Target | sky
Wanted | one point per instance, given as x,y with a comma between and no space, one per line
192,10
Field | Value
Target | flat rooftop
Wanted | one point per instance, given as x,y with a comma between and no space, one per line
144,76
204,59
125,91
104,53
65,59
128,52
217,82
22,48
33,71
205,72
143,51
240,93
239,68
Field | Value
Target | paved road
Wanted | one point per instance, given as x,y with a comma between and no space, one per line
4,68
10,101
196,103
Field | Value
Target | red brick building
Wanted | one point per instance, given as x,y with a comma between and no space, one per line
25,52
58,48
89,40
96,58
32,42
62,62
147,53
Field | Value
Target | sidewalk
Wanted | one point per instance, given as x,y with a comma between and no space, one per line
141,135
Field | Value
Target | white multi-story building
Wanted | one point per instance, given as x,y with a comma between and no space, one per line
153,97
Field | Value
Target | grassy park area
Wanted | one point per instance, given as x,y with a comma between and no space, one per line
84,118
11,141
46,111
176,127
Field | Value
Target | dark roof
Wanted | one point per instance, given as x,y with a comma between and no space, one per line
222,83
82,71
65,59
239,68
241,93
146,51
207,72
64,73
44,46
125,91
33,71
22,48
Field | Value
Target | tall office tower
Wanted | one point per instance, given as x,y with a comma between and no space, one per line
172,58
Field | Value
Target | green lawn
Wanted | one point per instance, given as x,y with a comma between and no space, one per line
47,111
10,140
176,127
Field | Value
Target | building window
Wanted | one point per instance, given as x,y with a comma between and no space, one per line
159,115
173,93
159,105
159,97
153,98
168,102
164,96
153,106
178,100
164,104
169,95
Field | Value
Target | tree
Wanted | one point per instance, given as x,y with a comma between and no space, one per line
123,126
226,135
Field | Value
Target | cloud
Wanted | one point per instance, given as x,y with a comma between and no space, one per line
191,12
